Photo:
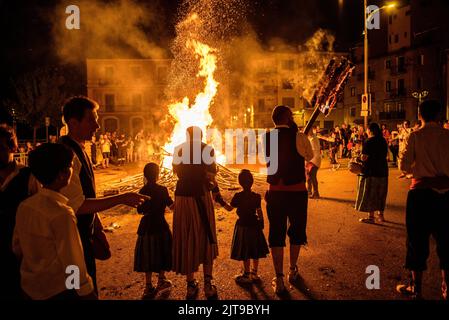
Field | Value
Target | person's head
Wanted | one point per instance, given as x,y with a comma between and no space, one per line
406,124
446,124
194,134
384,127
429,111
246,179
282,115
344,126
51,164
374,130
151,172
8,145
80,115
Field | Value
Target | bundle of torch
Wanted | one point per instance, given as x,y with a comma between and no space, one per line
329,89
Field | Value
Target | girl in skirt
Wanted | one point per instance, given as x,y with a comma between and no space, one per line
153,252
248,241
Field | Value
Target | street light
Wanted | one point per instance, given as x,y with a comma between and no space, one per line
420,96
366,19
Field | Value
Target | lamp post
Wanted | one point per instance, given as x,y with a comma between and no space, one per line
420,96
367,18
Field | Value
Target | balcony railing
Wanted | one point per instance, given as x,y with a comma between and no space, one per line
392,115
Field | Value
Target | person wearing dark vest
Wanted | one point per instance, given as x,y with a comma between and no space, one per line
16,184
80,117
194,232
425,155
287,195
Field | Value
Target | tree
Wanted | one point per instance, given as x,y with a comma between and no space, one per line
38,94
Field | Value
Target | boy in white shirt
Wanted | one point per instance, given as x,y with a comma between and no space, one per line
46,237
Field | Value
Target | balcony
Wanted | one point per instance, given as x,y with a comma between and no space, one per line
398,93
397,70
392,115
371,76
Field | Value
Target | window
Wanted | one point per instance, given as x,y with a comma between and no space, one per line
162,75
401,63
388,86
419,83
400,107
396,38
136,72
109,73
401,87
421,59
387,107
137,102
261,105
288,64
388,64
353,111
353,92
389,39
109,102
287,84
288,101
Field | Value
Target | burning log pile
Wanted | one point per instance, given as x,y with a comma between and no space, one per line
227,179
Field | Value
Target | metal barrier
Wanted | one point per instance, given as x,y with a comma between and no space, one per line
21,158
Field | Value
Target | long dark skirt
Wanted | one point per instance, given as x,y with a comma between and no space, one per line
248,243
153,252
371,194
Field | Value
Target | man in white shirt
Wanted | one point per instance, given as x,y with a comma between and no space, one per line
46,237
313,165
426,157
80,116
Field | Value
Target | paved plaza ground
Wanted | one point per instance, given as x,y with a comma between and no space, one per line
332,266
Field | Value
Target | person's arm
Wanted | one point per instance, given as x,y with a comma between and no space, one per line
16,246
406,157
303,146
131,199
70,251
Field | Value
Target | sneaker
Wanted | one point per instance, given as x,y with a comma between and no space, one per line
244,278
278,285
293,275
163,284
149,293
192,290
409,291
210,291
367,220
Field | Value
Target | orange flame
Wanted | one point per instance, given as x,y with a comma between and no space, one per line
197,114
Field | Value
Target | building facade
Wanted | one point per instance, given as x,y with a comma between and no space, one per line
412,66
288,78
130,92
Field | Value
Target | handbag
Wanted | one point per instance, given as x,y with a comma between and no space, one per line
355,167
100,244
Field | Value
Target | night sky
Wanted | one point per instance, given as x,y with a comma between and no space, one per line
27,39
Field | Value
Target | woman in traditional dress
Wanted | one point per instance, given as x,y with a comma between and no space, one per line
194,233
373,182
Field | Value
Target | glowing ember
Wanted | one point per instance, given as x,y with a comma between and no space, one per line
197,114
